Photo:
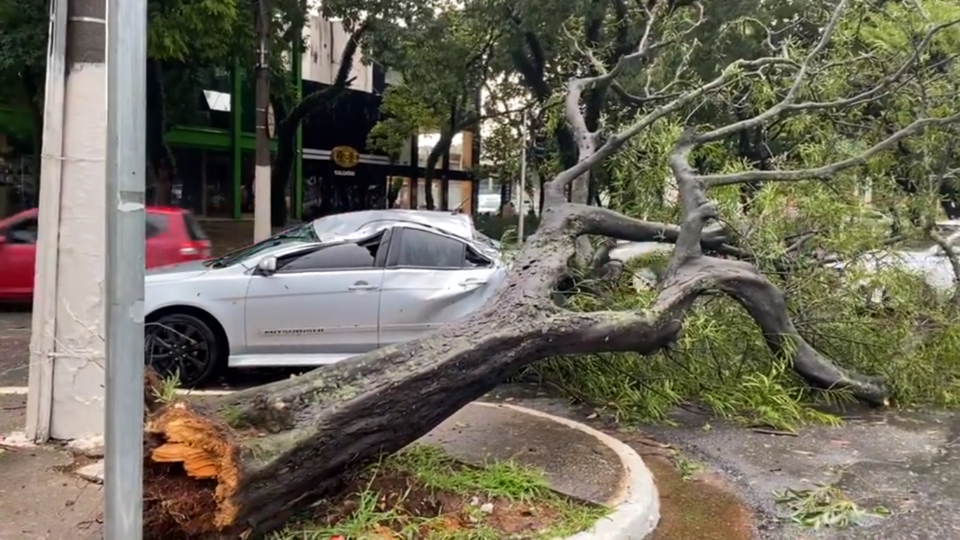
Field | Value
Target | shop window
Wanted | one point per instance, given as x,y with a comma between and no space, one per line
421,192
247,188
186,190
460,196
218,184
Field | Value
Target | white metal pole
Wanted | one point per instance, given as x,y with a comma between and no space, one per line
126,159
522,211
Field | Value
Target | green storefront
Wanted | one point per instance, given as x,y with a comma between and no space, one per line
215,162
214,157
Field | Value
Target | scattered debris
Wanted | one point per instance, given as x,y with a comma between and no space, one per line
825,506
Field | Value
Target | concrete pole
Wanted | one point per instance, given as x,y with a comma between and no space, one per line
261,178
126,183
66,399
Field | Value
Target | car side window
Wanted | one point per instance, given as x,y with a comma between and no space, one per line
474,260
337,257
24,232
422,249
155,225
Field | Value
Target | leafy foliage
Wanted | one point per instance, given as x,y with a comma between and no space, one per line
199,32
444,58
23,42
23,50
722,361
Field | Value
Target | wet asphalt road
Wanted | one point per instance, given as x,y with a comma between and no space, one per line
905,462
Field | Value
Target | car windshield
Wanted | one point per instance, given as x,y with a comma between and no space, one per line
300,233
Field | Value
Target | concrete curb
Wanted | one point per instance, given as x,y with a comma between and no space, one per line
636,505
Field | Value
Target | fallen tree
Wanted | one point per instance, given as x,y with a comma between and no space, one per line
243,465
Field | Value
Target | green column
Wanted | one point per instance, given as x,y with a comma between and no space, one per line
236,130
298,160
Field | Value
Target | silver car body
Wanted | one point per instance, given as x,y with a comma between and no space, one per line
321,316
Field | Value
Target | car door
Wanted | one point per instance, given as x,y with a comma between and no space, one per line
320,301
18,259
431,279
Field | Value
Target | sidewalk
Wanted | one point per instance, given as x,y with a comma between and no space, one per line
39,496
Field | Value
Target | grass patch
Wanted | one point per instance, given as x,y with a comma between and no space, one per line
423,494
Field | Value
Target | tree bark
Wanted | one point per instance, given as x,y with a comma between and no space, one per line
263,195
162,166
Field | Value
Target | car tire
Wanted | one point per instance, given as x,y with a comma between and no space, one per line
185,346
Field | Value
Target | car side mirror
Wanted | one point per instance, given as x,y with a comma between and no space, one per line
267,265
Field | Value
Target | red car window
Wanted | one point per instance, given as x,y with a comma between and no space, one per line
193,227
156,224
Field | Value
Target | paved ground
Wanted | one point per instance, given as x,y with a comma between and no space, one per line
903,461
576,464
37,482
39,497
14,346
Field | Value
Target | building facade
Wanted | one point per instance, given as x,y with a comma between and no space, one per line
213,140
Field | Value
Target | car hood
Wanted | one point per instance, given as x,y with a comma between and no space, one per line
175,272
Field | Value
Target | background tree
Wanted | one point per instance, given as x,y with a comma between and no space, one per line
23,55
359,18
445,60
185,38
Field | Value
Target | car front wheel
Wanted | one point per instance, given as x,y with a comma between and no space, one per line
182,346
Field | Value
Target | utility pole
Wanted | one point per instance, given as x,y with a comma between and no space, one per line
66,385
126,184
261,179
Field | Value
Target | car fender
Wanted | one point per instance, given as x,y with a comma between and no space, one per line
226,304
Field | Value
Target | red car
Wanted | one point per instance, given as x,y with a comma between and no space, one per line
173,236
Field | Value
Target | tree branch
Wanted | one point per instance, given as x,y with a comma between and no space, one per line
827,172
554,189
788,104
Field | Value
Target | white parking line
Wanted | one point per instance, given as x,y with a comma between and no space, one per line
22,391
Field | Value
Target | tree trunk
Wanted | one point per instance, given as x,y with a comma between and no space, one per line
287,128
161,167
430,169
261,179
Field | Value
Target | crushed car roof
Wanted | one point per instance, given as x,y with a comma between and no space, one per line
340,225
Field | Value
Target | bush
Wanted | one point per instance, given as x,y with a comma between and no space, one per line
505,229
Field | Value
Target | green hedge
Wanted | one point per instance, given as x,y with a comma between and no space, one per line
497,227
